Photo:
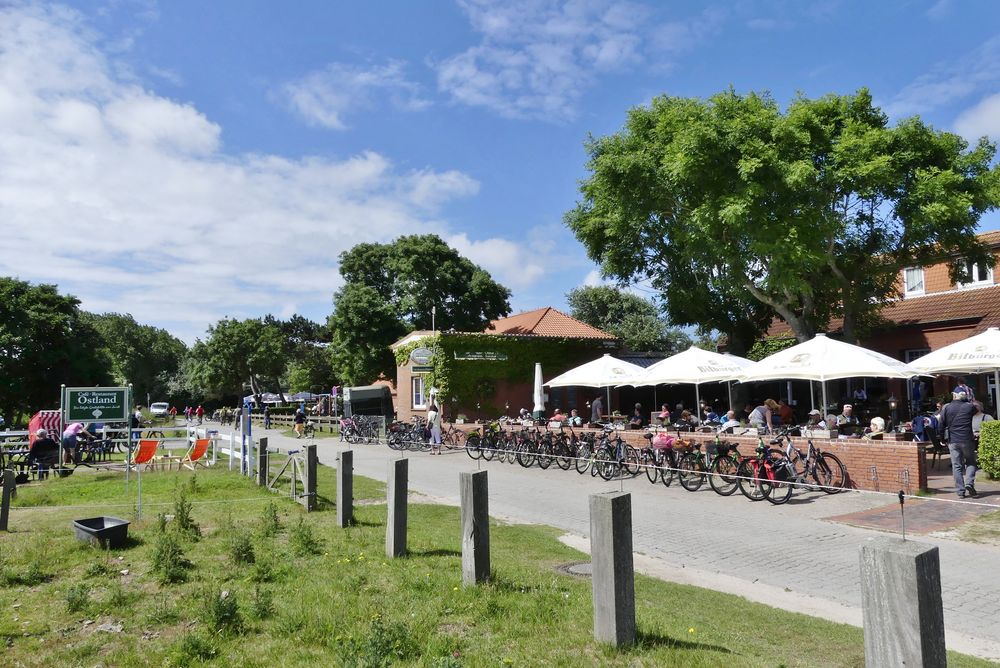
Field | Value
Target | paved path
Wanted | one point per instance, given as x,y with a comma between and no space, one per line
789,556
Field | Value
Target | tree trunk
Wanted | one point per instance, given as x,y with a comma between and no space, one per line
850,327
801,328
281,393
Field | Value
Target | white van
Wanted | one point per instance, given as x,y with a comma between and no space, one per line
159,409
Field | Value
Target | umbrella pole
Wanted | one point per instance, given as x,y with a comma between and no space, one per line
697,402
825,403
812,397
608,388
729,387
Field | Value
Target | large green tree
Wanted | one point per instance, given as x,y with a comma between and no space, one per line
45,342
390,289
631,318
735,209
238,354
143,355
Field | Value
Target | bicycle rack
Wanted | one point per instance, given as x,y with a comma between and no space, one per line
904,479
874,473
302,476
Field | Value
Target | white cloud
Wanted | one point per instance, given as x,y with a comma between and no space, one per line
128,200
325,96
537,57
983,119
949,81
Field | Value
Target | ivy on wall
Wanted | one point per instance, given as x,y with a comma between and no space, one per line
472,382
770,345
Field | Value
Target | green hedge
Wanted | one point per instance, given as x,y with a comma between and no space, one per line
989,448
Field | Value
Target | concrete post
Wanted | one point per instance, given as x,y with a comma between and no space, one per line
475,527
901,603
345,488
613,577
309,497
8,493
395,525
263,463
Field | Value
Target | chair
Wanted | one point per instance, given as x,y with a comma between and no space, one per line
937,447
145,454
196,453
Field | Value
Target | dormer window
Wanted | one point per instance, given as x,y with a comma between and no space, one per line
979,274
913,281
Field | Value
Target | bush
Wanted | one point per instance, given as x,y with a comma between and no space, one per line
190,648
77,597
302,540
262,603
183,522
989,448
240,548
270,523
169,562
221,612
384,645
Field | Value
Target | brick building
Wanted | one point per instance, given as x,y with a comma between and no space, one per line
931,312
485,374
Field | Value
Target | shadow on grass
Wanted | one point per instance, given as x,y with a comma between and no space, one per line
649,640
434,553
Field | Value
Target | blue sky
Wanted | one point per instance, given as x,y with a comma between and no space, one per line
185,161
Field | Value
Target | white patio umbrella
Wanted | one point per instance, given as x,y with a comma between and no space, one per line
976,354
694,366
606,371
824,359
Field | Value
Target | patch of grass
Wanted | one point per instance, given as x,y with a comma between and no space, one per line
270,522
240,548
302,540
168,559
343,598
983,529
77,597
184,523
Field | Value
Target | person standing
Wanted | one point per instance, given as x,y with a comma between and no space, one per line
267,416
596,409
200,413
135,422
956,417
434,424
963,387
300,422
762,417
979,418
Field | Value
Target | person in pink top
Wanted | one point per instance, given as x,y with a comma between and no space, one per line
70,437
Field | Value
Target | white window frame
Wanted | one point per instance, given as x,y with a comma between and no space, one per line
923,285
973,268
417,390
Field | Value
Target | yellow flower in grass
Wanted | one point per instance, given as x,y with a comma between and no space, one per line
691,630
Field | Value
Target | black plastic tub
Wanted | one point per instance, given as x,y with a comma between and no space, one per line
102,531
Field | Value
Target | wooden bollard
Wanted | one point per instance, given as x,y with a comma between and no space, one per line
613,577
262,463
7,494
345,488
396,491
308,498
475,527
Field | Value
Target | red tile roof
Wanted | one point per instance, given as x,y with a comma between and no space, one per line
980,305
546,322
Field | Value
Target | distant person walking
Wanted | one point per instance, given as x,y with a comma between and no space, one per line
956,417
267,417
201,413
596,409
300,423
434,424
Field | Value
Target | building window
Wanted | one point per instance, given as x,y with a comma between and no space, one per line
417,385
913,281
914,354
979,274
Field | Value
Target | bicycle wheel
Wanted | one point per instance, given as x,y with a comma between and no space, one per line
544,457
831,473
631,461
668,468
780,489
489,447
649,463
526,455
606,464
564,459
723,479
472,446
583,458
690,472
751,486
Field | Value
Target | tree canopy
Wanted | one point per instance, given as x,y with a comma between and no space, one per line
631,318
736,210
390,289
238,354
45,342
143,355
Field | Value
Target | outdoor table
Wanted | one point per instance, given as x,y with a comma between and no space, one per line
12,458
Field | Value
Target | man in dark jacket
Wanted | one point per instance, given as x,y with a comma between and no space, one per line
44,452
956,417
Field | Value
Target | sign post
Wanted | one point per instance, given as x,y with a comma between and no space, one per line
94,404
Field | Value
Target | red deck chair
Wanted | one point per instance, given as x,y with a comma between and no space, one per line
145,454
196,453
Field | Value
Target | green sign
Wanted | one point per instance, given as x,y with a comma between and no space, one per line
421,369
100,404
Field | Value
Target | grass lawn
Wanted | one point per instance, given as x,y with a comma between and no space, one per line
983,529
304,592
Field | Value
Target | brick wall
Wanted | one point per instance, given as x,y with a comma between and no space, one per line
886,466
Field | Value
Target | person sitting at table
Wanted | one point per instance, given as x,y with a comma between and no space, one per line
70,437
664,416
875,429
43,453
558,416
636,420
762,417
574,420
816,420
675,415
709,415
729,423
847,421
786,413
688,419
